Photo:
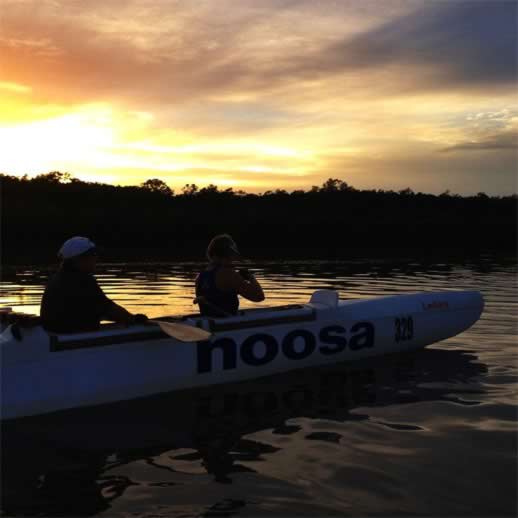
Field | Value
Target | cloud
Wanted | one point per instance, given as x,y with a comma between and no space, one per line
486,131
14,87
423,169
502,140
156,53
169,54
375,78
444,44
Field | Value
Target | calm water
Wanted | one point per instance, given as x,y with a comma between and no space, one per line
431,433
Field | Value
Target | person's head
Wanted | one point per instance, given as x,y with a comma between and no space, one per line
78,253
222,249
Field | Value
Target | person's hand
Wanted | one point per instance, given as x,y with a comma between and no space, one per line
139,318
245,273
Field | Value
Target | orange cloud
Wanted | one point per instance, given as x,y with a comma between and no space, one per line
201,91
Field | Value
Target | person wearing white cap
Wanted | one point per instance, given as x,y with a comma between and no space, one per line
219,286
77,246
73,302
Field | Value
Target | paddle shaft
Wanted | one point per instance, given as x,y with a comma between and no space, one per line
182,332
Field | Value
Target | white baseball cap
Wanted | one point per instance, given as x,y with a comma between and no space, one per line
75,246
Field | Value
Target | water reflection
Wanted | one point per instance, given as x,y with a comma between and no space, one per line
78,462
167,288
430,433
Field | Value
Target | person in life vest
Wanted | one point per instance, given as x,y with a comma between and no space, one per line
219,286
73,302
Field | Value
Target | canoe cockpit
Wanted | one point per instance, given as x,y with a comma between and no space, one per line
113,334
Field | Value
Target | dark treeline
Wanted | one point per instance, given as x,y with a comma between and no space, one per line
335,220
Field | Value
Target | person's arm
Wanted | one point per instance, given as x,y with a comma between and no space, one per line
118,314
250,289
110,310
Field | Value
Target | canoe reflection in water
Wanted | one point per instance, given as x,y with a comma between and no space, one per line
77,462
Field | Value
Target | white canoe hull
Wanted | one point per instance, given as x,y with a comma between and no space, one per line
43,374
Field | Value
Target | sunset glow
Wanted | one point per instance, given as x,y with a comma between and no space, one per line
262,95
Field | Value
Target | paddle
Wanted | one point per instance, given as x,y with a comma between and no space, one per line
182,332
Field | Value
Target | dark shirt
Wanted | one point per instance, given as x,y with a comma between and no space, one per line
73,302
220,303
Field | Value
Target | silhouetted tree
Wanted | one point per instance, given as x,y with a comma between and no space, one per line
335,185
54,177
189,189
211,189
38,214
159,186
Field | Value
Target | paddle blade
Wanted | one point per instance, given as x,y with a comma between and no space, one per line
183,332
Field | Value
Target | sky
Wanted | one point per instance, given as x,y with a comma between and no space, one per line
263,94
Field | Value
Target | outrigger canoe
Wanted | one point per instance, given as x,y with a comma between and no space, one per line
44,373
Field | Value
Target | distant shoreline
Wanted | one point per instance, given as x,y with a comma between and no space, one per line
334,221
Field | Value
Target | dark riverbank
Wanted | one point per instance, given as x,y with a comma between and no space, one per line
333,221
